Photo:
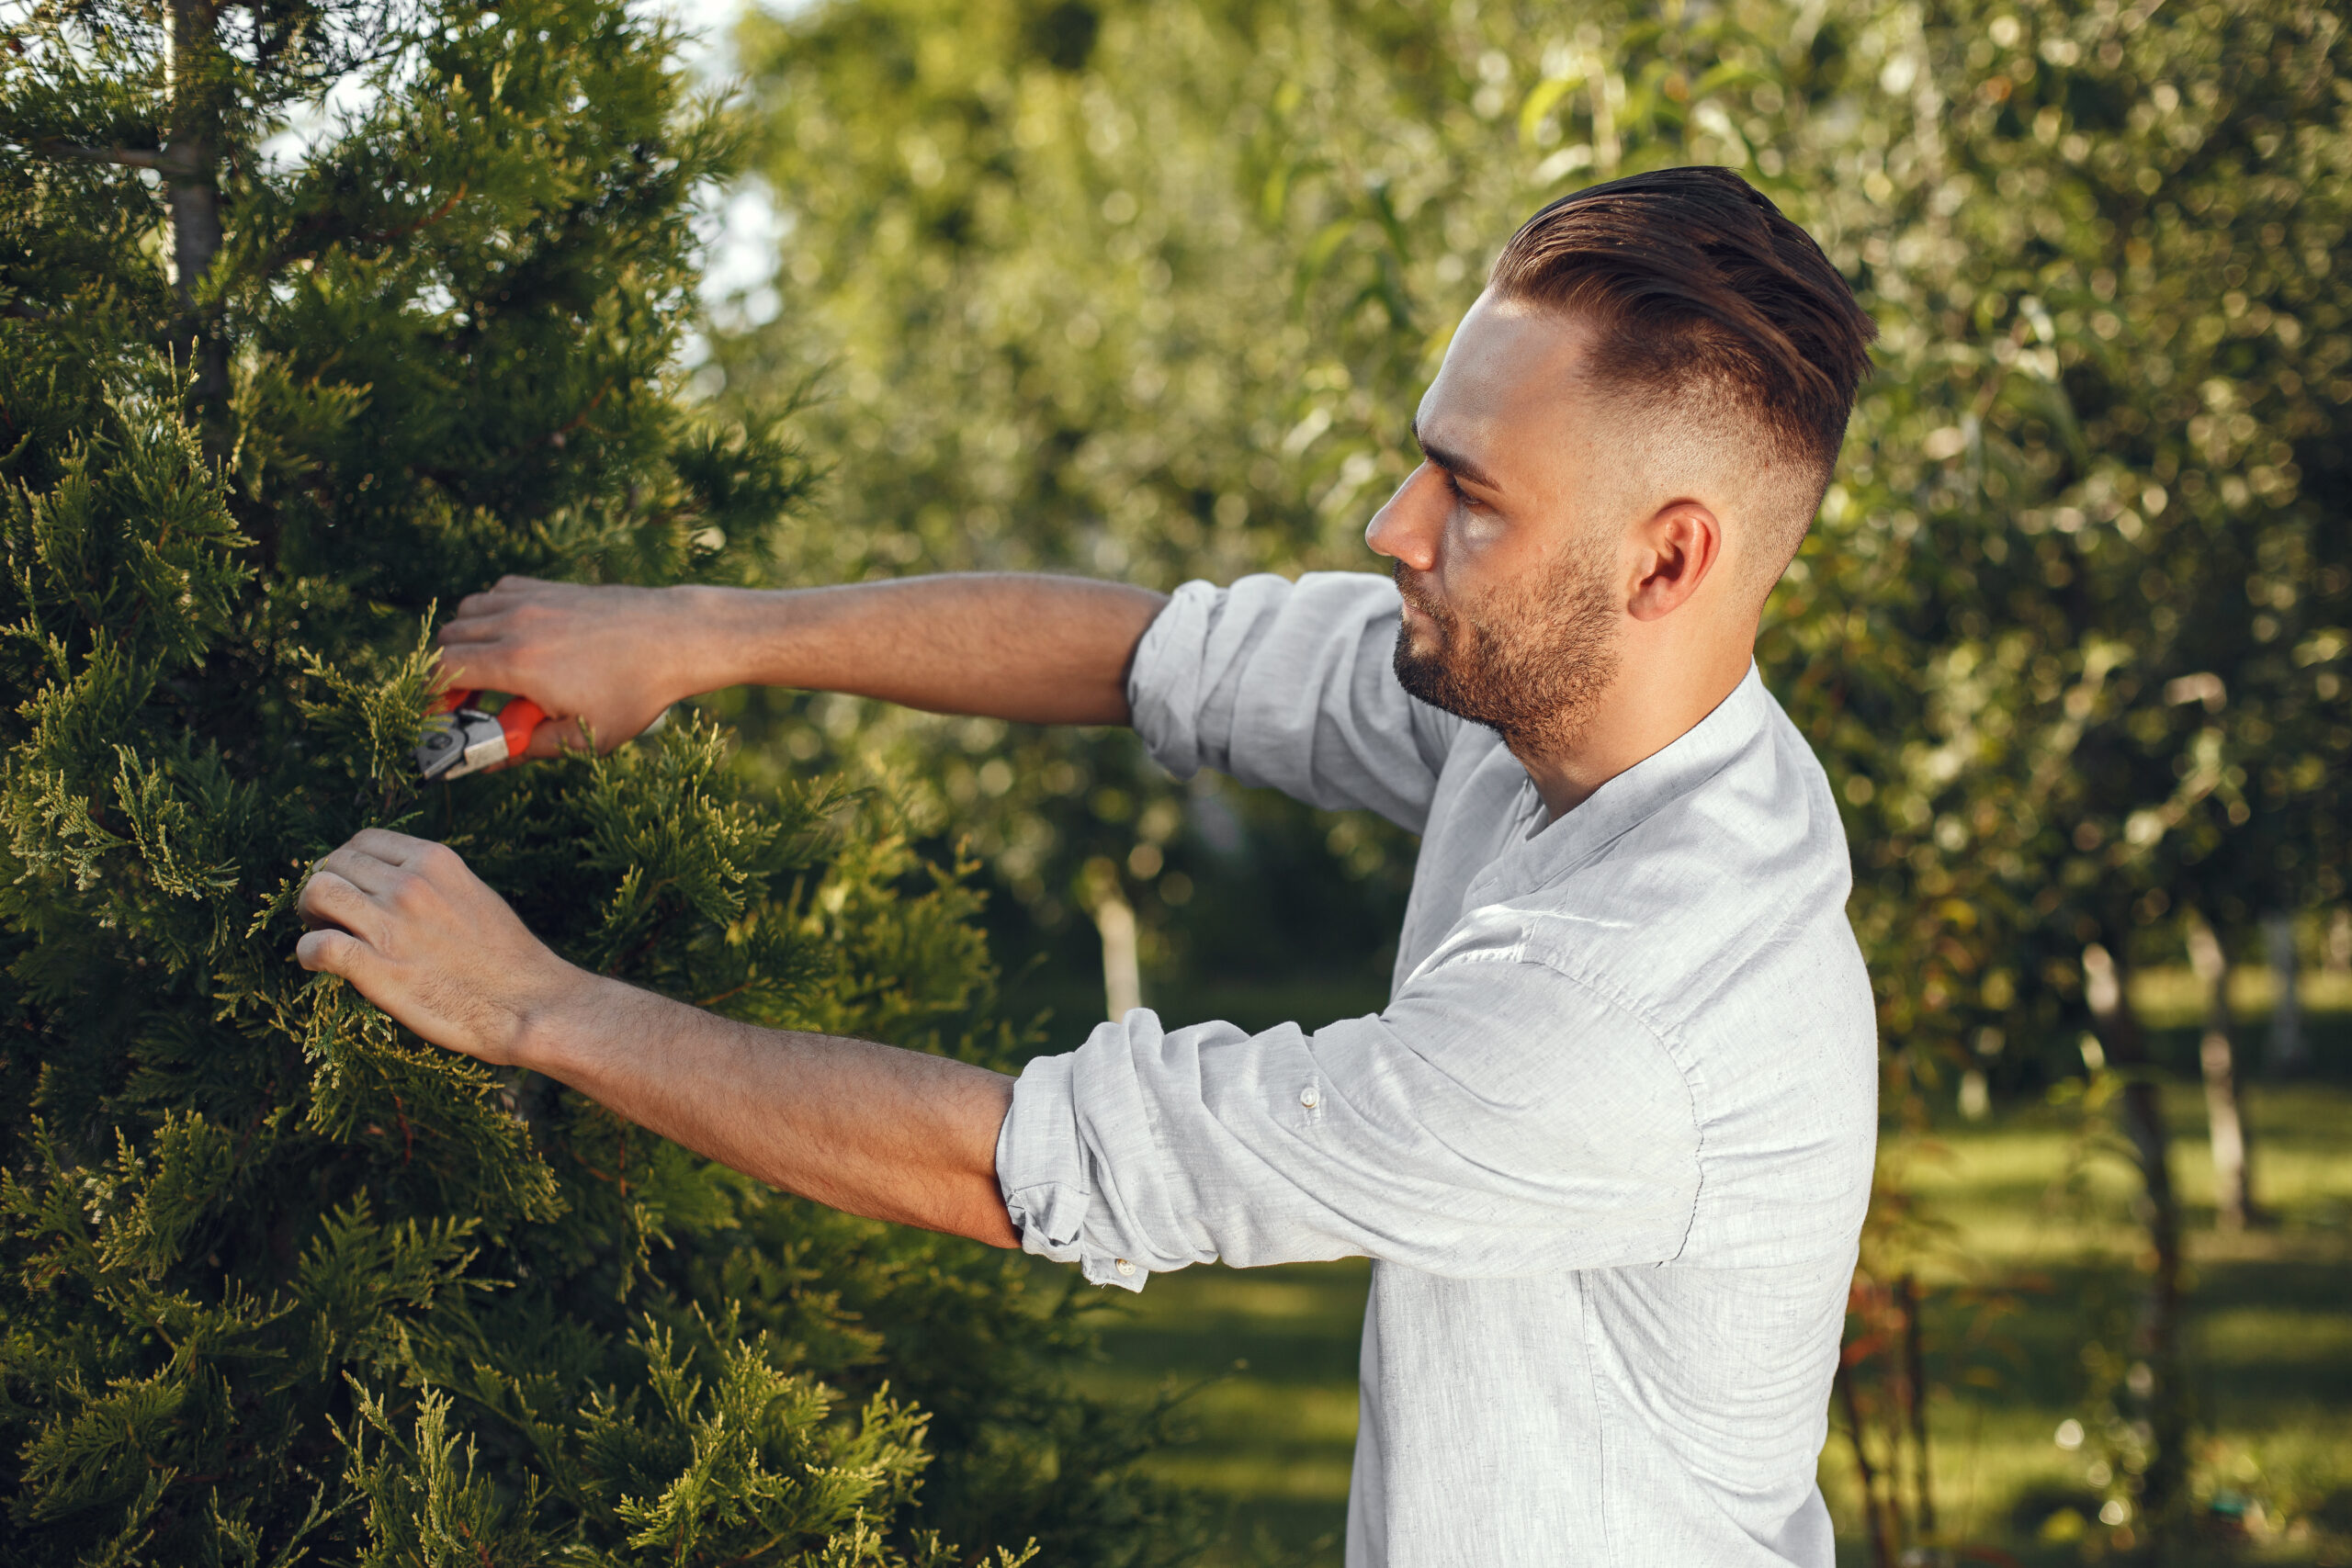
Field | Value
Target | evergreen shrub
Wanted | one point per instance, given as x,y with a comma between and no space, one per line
278,1282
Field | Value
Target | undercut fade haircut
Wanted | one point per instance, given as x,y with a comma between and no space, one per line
1700,289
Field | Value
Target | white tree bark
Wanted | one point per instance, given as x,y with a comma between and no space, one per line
2233,1205
2288,1051
1122,967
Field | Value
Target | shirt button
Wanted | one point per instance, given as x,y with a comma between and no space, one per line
1126,1269
1309,1098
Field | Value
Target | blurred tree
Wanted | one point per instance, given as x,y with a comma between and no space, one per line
2233,1151
275,1279
1064,335
2135,713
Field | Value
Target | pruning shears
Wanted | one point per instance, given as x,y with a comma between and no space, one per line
460,738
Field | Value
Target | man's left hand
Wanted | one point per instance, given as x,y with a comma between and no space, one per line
871,1129
422,937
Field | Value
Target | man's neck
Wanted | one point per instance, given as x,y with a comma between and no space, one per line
1649,706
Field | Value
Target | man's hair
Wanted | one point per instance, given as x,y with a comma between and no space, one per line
1698,286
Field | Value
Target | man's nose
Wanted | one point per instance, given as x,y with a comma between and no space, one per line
1408,527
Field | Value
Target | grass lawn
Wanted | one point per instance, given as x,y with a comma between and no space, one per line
2268,1326
1273,1352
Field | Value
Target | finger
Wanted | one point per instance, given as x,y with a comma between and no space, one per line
480,667
487,627
392,849
337,953
330,951
365,872
555,737
489,601
330,903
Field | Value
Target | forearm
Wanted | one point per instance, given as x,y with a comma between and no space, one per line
870,1129
1031,648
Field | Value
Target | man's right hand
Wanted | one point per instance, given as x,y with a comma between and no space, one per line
1029,648
603,661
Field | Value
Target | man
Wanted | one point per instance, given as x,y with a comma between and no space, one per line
1610,1143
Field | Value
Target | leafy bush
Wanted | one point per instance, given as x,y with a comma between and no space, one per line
277,1282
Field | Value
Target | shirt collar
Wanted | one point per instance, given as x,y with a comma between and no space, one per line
1683,764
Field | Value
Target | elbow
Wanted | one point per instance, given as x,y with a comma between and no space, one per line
978,1216
986,1218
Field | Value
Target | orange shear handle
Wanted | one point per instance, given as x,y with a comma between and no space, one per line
516,720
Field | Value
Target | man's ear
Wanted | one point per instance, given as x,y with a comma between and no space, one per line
1677,547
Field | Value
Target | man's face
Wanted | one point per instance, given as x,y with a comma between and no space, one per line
1506,537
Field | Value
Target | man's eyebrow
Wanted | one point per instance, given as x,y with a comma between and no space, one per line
1453,462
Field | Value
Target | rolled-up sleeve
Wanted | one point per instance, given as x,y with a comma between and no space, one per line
1291,685
1499,1118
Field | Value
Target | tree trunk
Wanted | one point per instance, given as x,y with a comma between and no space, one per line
1882,1549
1122,967
1915,1400
2157,1339
2216,1053
192,186
2233,1205
2288,1051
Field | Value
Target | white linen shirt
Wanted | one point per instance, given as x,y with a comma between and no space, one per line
1608,1146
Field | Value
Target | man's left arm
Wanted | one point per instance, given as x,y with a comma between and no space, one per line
870,1129
1499,1118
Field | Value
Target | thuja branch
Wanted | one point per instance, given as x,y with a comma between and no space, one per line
316,233
179,162
449,204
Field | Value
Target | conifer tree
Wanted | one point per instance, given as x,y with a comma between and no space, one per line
278,1282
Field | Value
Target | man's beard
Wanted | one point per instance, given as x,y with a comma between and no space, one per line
1532,667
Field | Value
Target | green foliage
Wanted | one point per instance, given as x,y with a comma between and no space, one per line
745,1466
279,1282
2128,612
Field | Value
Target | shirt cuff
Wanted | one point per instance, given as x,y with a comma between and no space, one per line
1164,682
1041,1169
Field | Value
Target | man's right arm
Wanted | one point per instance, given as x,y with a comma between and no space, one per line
608,660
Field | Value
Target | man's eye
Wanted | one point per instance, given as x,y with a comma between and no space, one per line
1464,496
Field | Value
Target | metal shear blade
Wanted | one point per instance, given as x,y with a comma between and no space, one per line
458,742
